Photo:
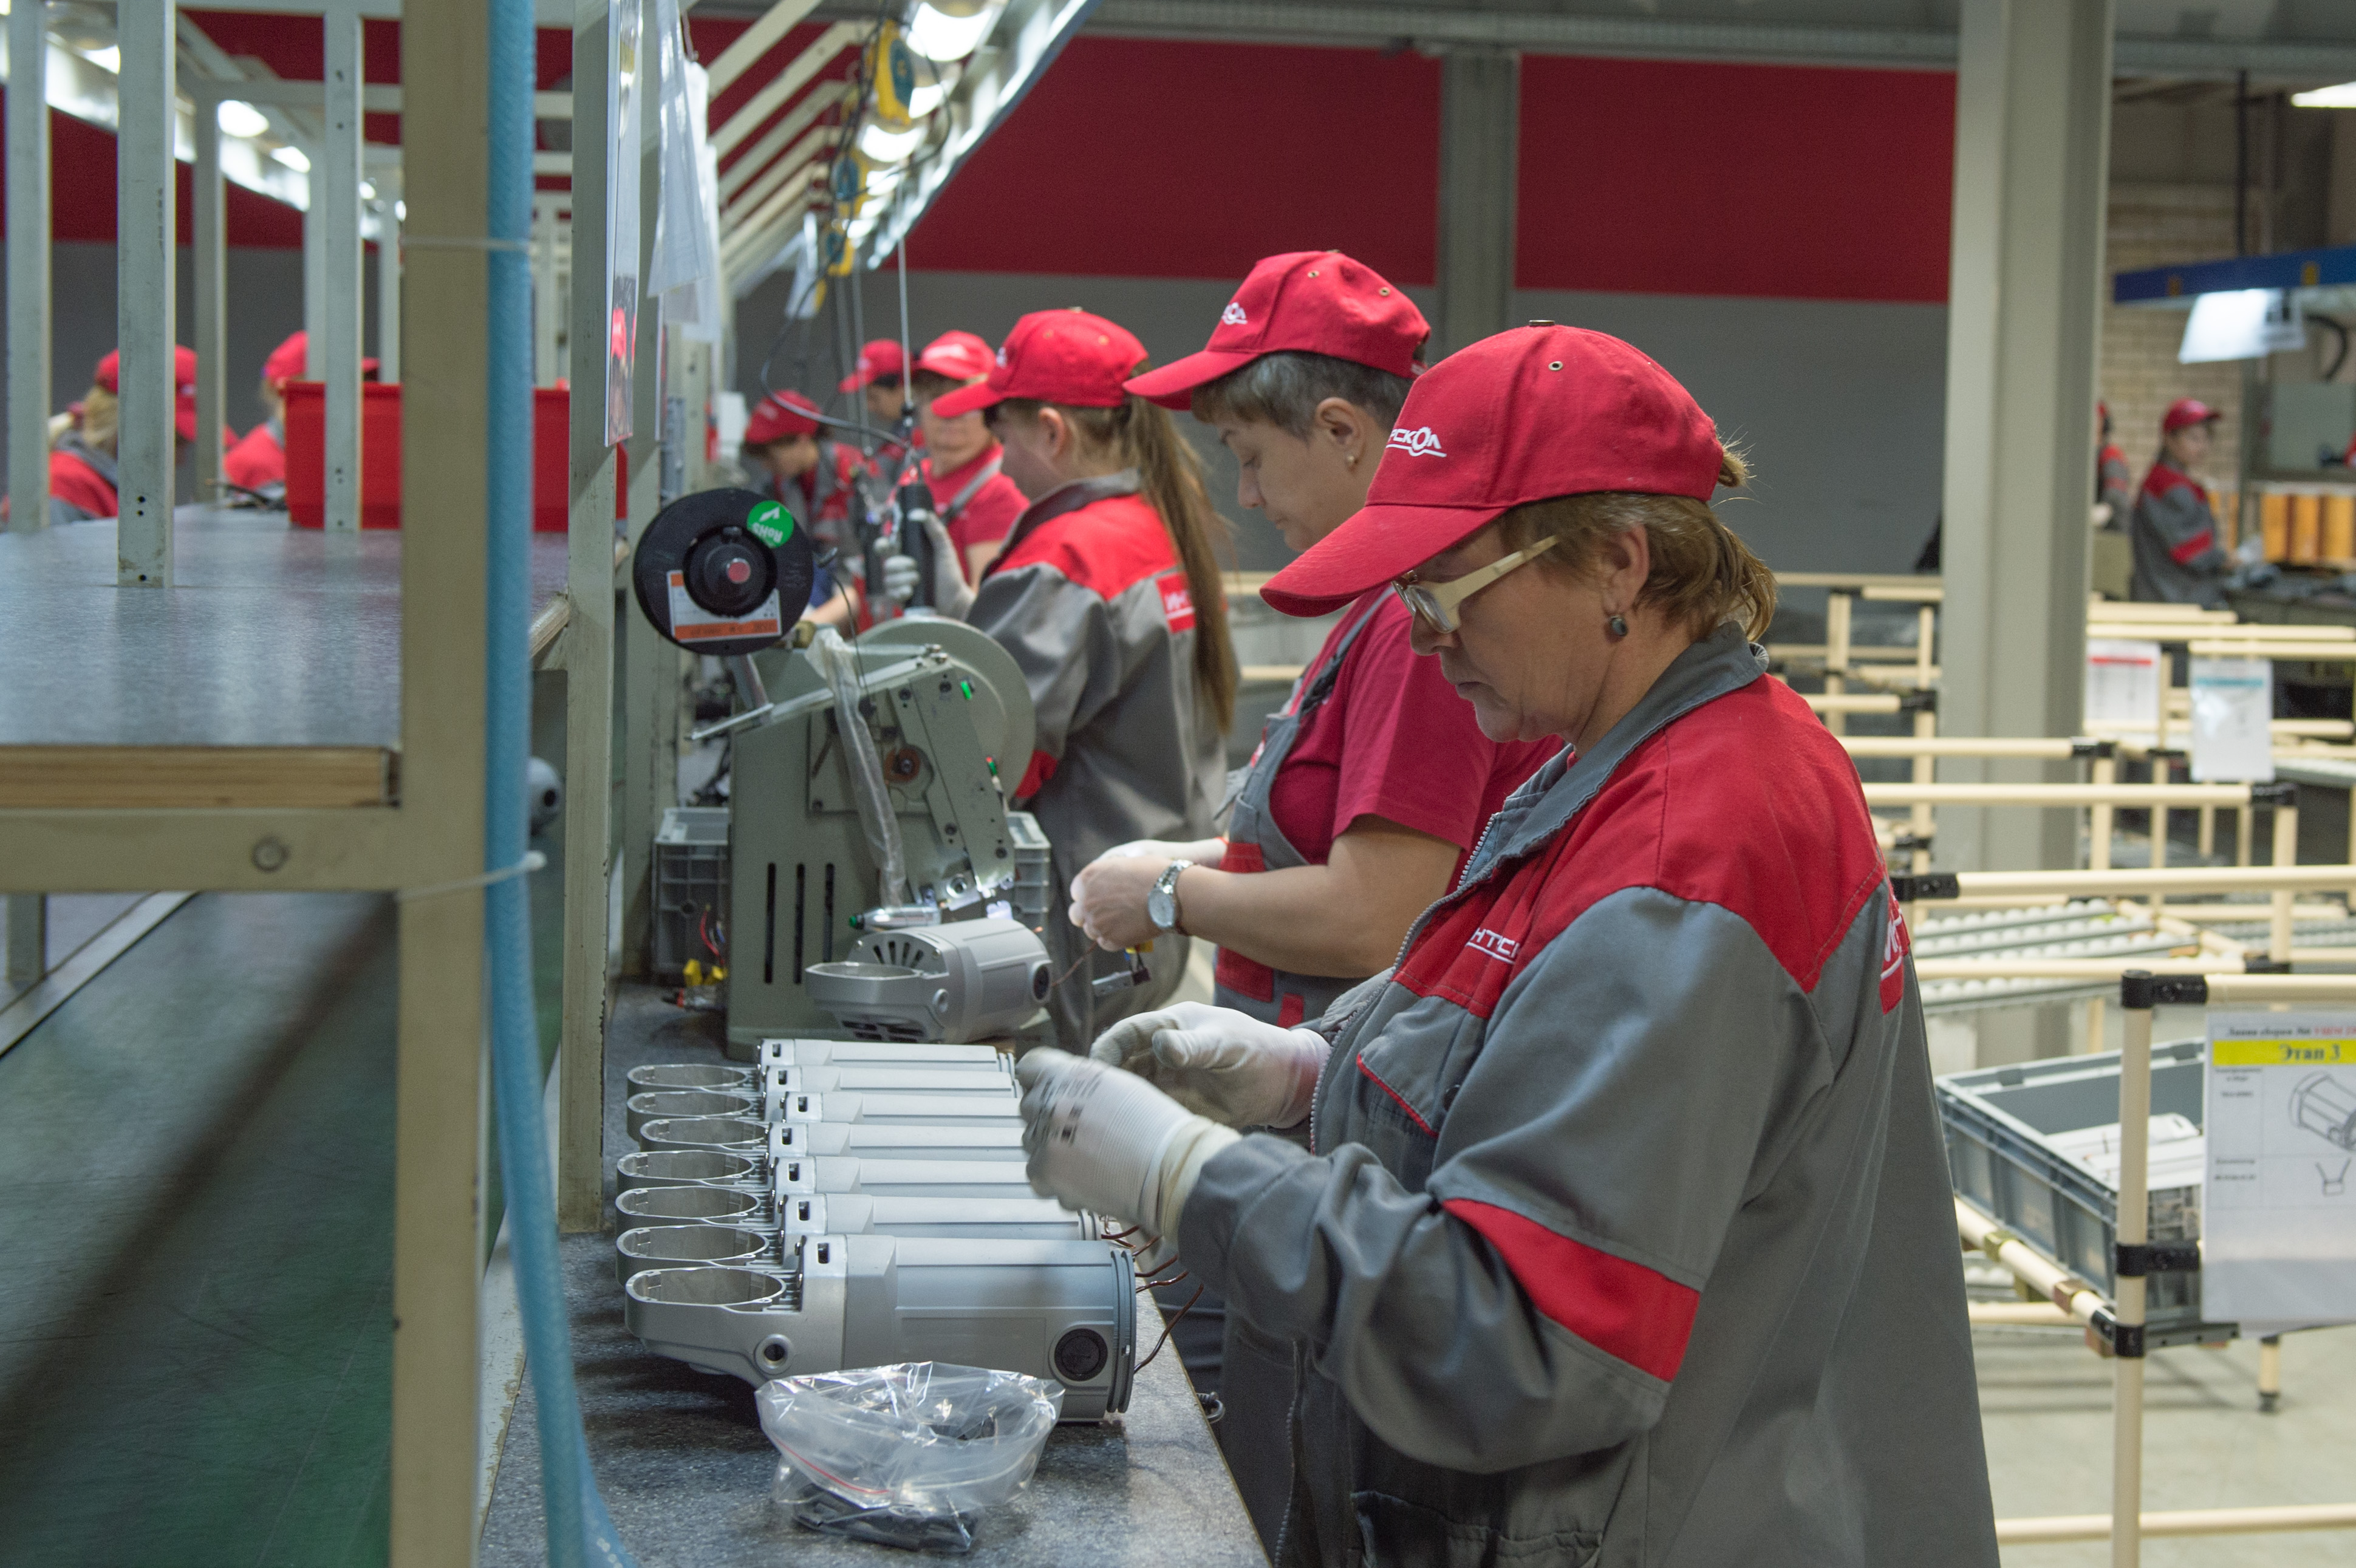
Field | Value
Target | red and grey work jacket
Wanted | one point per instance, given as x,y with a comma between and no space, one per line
2174,534
1625,1236
83,481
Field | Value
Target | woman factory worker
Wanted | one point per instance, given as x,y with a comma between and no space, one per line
258,462
976,501
1108,597
2173,528
82,480
1622,1235
818,480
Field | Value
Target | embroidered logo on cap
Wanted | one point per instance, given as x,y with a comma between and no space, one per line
1002,354
1234,315
1420,442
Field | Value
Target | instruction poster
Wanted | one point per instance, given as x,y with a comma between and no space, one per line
2278,1213
2233,720
2122,686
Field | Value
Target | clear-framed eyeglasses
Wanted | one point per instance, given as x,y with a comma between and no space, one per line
1437,602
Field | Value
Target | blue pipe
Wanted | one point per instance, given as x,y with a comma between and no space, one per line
580,1531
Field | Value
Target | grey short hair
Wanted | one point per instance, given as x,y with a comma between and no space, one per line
1284,390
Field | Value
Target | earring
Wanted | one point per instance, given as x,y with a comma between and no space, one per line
1617,626
1351,458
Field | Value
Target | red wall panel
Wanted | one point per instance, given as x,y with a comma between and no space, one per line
81,193
1652,177
1147,158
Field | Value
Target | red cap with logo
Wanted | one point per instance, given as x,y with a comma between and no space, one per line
960,355
184,386
1540,411
781,416
1316,302
287,361
2186,412
1055,356
878,361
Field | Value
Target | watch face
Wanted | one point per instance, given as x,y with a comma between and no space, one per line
1160,909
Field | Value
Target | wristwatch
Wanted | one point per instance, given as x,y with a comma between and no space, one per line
1161,903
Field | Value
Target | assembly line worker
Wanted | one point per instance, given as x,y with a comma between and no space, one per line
2173,530
2114,480
976,501
818,480
1623,1234
879,377
258,463
1108,596
83,480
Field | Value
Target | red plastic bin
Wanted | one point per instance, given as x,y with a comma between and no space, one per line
307,417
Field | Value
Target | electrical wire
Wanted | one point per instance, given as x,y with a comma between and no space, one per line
1168,1328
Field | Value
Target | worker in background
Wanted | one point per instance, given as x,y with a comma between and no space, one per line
817,479
258,464
880,378
976,501
2114,480
1615,1225
1108,596
1369,787
83,481
2173,527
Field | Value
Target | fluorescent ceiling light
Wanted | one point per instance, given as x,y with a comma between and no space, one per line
929,97
294,158
239,117
939,35
2241,324
890,147
107,59
368,191
400,211
2340,97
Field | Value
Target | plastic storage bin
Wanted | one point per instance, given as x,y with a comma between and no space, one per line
690,886
2010,1155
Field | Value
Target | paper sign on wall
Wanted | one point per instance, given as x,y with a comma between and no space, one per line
2123,680
2233,720
2278,1211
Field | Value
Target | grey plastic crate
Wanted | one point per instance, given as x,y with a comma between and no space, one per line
690,886
1030,872
1998,1123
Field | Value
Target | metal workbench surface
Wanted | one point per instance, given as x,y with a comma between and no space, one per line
686,1470
271,635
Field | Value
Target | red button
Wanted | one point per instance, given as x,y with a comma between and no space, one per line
740,572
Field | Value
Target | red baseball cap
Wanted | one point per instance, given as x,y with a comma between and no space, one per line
184,385
879,360
1055,356
1539,412
779,416
1317,302
287,361
2185,411
960,355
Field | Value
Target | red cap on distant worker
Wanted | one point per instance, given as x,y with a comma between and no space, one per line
780,417
2185,411
1316,302
960,355
184,386
1539,412
1055,356
878,361
288,361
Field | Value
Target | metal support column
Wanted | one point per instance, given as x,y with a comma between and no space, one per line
27,915
335,198
210,256
388,291
1480,132
2023,317
147,238
650,671
28,282
437,1244
588,660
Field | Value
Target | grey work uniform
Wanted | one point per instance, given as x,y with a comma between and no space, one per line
1625,1236
2174,534
1091,599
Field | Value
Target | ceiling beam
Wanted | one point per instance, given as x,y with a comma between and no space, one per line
785,84
754,41
807,149
815,103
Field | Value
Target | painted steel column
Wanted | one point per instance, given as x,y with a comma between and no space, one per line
1480,134
440,1103
2032,137
588,659
146,239
210,256
388,292
28,282
336,194
315,277
650,664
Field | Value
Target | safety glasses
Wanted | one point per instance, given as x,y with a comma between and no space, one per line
1437,602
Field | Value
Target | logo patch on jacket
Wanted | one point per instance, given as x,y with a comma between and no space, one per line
1177,601
1501,948
1895,945
1420,442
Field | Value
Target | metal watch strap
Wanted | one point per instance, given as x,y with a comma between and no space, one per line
1166,885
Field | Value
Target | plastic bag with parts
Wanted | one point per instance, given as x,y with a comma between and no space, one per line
907,1454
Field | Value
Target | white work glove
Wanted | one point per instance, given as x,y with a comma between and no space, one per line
2250,550
951,594
1106,1142
1220,1064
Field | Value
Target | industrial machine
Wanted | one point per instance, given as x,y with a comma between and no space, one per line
877,883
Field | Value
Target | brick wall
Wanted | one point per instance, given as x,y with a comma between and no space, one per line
2151,226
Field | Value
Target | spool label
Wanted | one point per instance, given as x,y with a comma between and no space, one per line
770,523
691,623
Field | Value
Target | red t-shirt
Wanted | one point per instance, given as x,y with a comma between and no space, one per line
989,514
1394,741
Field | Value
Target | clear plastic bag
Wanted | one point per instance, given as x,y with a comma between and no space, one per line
907,1455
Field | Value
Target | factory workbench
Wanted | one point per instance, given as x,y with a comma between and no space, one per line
686,1470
